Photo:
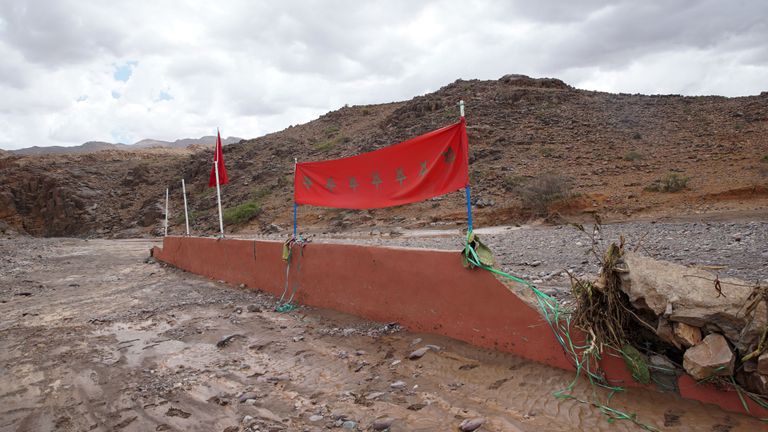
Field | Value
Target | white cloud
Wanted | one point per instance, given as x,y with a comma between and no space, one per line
253,67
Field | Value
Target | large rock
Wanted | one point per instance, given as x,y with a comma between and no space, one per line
711,357
689,296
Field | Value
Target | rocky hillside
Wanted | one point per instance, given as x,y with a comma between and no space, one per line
539,148
94,146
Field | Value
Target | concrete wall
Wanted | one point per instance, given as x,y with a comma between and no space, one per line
424,290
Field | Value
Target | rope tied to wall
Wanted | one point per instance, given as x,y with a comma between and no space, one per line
284,305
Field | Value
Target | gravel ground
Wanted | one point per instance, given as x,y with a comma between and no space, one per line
543,254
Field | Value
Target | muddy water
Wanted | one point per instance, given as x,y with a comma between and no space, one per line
107,342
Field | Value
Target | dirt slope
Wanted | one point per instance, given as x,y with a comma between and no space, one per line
610,148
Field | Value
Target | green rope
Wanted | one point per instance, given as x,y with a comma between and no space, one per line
582,357
283,305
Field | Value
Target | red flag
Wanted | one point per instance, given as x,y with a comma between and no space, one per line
218,158
423,167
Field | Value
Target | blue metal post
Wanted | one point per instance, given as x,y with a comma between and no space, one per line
469,209
295,226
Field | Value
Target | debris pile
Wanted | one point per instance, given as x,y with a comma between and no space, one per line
713,329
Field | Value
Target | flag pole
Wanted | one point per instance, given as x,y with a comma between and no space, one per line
218,188
166,212
184,192
467,190
295,206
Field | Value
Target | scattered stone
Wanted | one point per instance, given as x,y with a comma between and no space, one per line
253,308
374,395
398,385
416,406
279,378
175,412
687,334
298,338
711,357
247,420
248,395
349,425
225,341
359,352
469,425
419,353
383,423
315,418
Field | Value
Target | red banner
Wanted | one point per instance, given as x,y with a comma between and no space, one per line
218,158
429,165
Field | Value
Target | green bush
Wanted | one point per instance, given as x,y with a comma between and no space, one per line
669,183
331,143
241,213
633,156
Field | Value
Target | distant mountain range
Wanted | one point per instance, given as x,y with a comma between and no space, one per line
94,146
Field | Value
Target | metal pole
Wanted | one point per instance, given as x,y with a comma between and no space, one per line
166,211
467,188
218,188
184,192
295,206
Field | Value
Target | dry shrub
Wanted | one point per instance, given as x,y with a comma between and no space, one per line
669,183
539,193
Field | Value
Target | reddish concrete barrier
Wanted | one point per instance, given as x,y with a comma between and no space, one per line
424,290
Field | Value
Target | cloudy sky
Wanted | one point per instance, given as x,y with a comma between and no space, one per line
120,71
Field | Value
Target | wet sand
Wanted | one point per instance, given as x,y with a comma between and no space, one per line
92,337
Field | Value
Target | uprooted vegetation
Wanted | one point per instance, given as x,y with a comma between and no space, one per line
666,319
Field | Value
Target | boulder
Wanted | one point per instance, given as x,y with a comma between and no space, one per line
711,357
688,335
689,295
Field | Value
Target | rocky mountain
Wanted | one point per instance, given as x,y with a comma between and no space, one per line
94,146
538,148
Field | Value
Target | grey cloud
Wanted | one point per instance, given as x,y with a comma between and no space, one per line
263,63
56,32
